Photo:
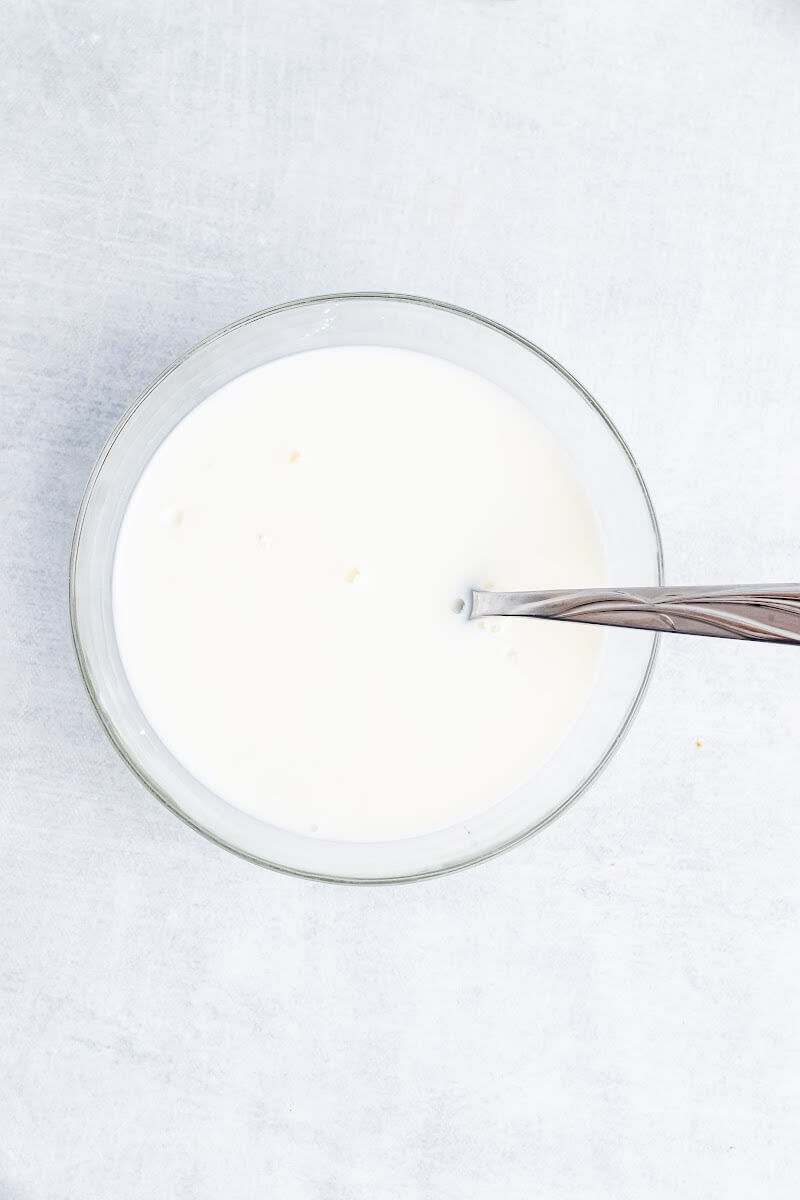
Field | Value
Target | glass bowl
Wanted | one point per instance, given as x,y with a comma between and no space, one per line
603,461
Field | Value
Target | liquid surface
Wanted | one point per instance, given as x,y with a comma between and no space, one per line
285,583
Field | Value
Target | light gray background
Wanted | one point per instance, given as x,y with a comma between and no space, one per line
610,1011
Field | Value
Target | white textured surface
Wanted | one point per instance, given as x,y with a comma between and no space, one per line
610,1010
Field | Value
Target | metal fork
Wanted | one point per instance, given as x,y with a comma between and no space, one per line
757,613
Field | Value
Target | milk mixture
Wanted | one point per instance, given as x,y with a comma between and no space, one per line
287,580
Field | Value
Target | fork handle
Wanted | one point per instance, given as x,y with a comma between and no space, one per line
766,613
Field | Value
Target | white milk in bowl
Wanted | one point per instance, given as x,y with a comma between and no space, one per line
286,584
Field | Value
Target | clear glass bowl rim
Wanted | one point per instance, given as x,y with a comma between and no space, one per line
85,669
